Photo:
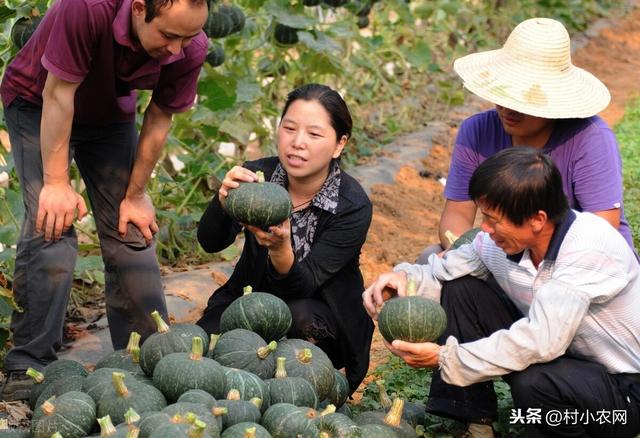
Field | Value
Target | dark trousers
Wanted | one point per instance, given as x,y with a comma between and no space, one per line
570,386
44,270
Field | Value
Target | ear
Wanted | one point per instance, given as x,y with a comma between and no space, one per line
538,221
340,146
138,8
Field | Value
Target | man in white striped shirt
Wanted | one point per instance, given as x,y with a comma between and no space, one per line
545,296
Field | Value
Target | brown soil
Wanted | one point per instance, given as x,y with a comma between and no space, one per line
406,214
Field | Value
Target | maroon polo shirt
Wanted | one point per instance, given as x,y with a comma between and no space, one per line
89,42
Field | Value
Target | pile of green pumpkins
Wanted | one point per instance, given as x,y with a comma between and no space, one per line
248,381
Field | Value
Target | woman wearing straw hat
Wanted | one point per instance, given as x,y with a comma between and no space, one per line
544,101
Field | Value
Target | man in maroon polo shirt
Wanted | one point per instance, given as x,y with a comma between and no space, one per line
69,94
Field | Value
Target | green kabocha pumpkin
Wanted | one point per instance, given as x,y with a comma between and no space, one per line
168,339
308,361
108,430
236,15
191,427
142,398
412,318
185,412
392,419
339,391
72,414
198,396
248,384
335,425
246,350
284,35
218,24
56,370
6,432
127,359
311,2
216,56
177,373
413,413
239,411
377,431
260,203
363,22
259,312
23,29
61,386
284,420
246,430
335,3
467,237
294,390
100,382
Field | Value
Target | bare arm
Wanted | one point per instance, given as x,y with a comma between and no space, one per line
58,201
136,207
612,216
457,217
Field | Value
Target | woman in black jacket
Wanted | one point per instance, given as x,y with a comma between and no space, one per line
311,260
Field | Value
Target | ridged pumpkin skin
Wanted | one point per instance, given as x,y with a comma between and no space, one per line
293,390
59,387
72,414
339,390
285,35
240,348
216,55
127,359
239,431
284,420
138,396
261,203
467,237
377,431
176,373
259,312
337,425
412,319
248,384
198,396
213,422
236,15
218,24
317,368
238,411
392,419
171,430
59,369
100,382
168,339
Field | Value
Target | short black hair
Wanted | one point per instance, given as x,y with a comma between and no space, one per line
518,182
153,6
331,101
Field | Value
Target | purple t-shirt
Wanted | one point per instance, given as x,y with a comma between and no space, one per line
585,151
89,41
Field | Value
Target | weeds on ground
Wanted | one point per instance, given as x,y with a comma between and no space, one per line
628,133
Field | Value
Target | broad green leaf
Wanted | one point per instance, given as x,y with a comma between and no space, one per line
238,129
218,91
419,55
320,43
287,16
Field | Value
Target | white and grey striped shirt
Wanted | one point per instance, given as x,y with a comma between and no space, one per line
583,298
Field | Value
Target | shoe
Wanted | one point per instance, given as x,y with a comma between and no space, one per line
477,430
17,386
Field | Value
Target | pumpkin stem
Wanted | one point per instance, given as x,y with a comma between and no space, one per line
394,415
134,341
263,352
36,375
281,371
189,417
48,408
257,402
118,384
324,435
131,416
135,354
250,432
247,290
213,340
305,355
4,424
233,394
412,286
196,348
218,411
133,433
57,435
260,174
385,400
106,426
197,429
330,409
162,326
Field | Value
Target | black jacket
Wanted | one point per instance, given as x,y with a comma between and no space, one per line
330,272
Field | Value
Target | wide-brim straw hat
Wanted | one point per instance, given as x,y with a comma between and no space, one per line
533,74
